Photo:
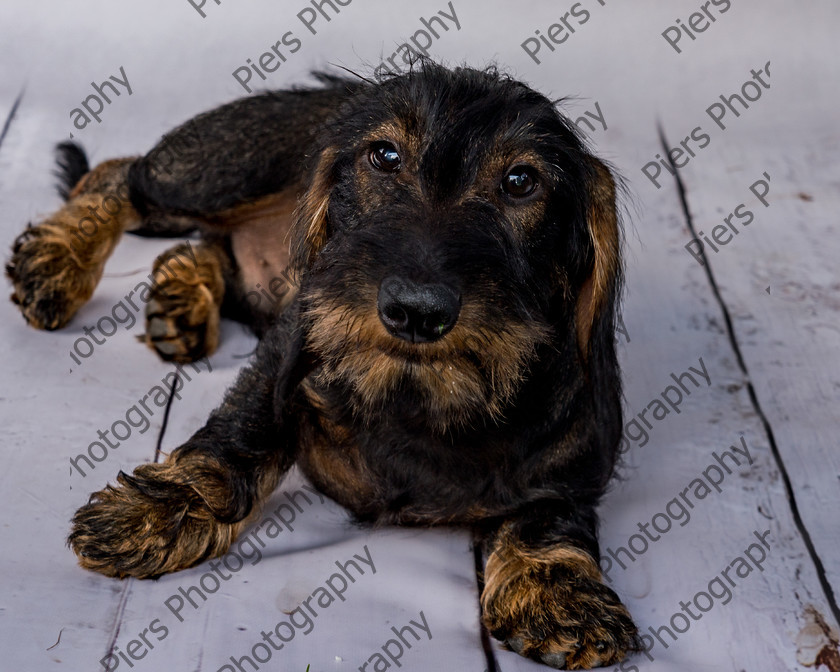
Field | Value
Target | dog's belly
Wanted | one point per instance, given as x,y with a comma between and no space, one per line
260,240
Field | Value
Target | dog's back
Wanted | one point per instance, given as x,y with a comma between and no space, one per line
442,351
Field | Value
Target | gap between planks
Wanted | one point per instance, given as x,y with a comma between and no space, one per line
774,448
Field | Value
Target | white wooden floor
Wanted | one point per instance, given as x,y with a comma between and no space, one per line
760,321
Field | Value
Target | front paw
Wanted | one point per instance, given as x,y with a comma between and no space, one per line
154,522
558,613
51,280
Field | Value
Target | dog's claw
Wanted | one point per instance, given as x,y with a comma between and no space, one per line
182,320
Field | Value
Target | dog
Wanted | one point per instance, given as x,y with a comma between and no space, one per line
444,353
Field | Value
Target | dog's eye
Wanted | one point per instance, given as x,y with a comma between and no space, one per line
520,181
385,157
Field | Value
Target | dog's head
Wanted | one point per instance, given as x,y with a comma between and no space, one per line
455,227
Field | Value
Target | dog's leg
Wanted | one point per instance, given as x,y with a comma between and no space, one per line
166,517
182,315
56,265
543,594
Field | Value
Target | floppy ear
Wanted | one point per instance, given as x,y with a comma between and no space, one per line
596,308
309,229
596,305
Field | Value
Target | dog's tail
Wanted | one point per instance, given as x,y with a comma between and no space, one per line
72,167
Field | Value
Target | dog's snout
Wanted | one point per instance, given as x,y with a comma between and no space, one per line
417,312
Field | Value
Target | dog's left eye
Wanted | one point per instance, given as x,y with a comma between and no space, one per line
385,157
520,181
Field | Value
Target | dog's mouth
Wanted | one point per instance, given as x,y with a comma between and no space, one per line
471,370
408,356
417,363
433,354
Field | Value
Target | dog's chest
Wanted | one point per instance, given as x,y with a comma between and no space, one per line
390,480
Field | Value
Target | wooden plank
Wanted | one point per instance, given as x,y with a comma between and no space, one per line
672,320
755,625
618,60
778,278
115,377
782,143
50,415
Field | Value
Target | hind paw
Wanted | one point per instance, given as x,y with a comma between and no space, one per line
50,280
182,316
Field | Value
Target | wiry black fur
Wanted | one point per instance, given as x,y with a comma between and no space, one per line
72,166
482,463
537,468
235,153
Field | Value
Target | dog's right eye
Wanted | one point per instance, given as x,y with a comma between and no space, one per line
385,157
520,181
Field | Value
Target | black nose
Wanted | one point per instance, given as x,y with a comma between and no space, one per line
416,312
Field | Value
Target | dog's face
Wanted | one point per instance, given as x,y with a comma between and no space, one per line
454,226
